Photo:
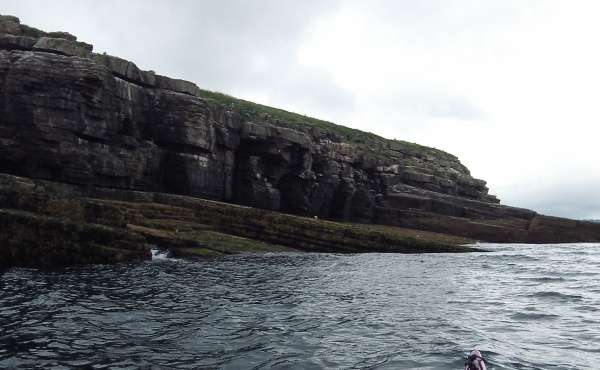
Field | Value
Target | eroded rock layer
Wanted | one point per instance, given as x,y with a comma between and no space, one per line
95,121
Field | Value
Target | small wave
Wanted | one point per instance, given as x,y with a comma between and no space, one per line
544,279
547,279
533,316
587,308
557,296
158,255
303,311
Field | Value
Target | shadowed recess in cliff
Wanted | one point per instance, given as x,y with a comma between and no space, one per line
99,122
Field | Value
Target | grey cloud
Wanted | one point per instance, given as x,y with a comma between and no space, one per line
562,198
433,103
435,23
238,46
211,42
228,43
312,92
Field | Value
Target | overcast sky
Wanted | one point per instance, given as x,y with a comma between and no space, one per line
512,88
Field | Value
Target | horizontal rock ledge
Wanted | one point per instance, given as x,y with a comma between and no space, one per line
101,127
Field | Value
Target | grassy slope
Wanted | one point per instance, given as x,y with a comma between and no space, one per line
350,135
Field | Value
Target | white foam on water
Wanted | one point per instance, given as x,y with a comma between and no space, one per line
158,255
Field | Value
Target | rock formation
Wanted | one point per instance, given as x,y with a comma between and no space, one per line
94,121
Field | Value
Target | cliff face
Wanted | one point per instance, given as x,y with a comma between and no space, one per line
95,121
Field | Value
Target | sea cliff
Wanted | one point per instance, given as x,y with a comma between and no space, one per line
74,123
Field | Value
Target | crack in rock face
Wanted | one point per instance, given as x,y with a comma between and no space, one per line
72,116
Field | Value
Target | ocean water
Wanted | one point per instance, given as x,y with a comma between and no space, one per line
522,306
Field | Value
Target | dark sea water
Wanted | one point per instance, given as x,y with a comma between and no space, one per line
523,306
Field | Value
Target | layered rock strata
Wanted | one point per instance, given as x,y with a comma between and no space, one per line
96,121
45,224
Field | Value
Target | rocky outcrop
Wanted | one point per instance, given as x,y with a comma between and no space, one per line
95,121
45,224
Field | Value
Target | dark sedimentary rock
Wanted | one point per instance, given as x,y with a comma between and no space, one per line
97,121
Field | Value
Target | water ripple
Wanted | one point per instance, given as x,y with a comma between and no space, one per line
524,306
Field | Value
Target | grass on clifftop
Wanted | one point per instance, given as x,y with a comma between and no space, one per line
350,135
28,31
253,110
367,140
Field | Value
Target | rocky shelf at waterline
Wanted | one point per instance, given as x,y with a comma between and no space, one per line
101,127
48,224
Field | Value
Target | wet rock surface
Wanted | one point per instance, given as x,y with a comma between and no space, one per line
68,115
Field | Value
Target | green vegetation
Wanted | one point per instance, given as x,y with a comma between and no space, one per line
32,32
37,34
254,110
80,230
278,229
218,243
373,143
34,240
